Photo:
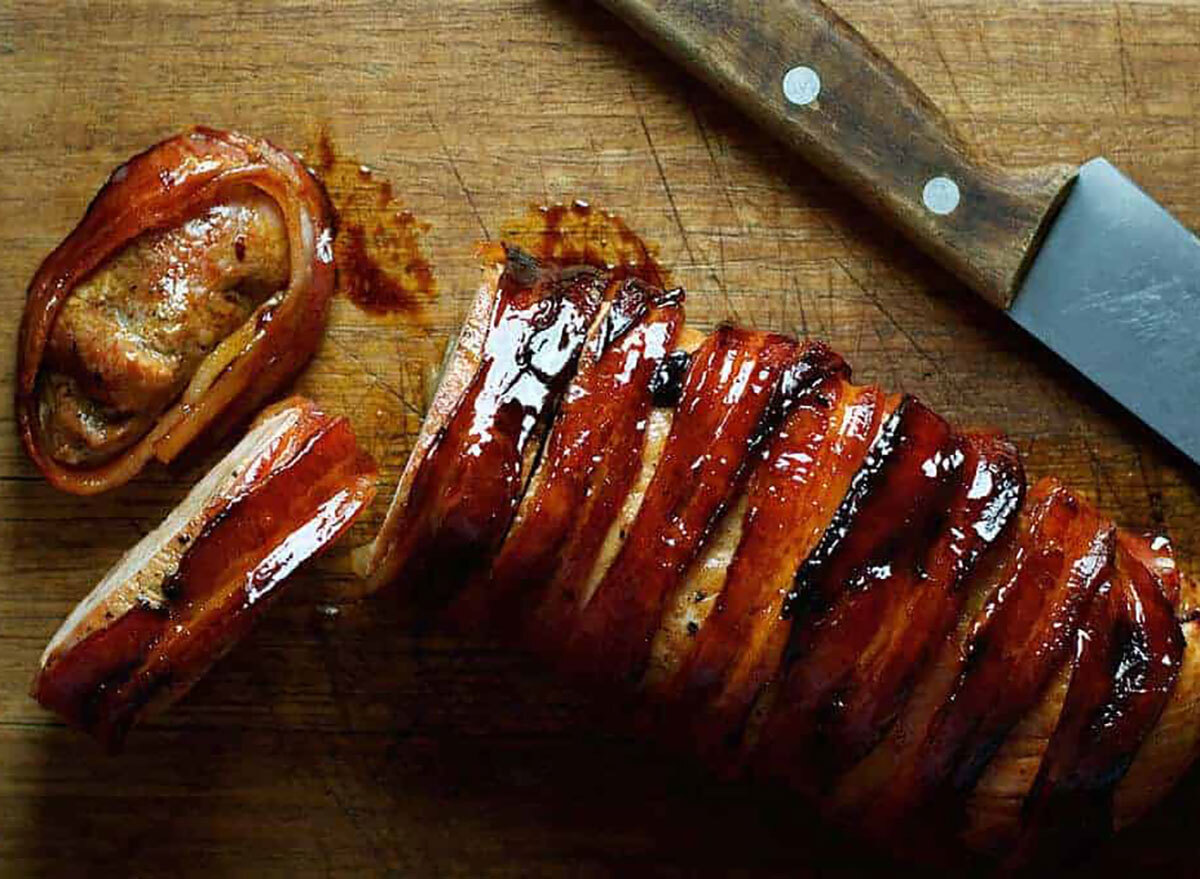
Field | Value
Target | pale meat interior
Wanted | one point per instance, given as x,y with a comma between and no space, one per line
131,335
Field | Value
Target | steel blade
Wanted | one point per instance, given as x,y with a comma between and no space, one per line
1115,291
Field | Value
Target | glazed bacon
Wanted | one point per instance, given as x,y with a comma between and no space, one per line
790,502
1018,641
195,286
592,459
917,610
466,492
800,578
184,595
897,539
1127,660
723,413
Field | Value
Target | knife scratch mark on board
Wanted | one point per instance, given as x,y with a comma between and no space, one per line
721,177
370,373
462,184
1123,57
687,243
923,14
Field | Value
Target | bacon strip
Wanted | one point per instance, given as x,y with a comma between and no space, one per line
792,495
589,463
160,189
984,506
1020,639
717,429
192,588
1127,658
857,662
932,609
464,493
867,557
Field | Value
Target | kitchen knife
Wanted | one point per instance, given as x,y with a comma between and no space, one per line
1080,257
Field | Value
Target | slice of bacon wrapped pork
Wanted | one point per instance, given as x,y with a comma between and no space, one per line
803,579
196,285
185,594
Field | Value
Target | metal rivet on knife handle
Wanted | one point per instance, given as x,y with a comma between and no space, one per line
941,195
801,85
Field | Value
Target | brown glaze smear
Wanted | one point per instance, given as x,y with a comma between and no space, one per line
577,234
588,465
791,495
869,553
314,486
468,487
381,264
1020,639
715,434
1127,659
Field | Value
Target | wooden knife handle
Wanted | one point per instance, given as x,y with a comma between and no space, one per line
855,116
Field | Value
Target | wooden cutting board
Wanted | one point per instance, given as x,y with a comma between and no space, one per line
336,740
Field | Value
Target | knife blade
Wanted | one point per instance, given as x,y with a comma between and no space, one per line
1115,291
1079,257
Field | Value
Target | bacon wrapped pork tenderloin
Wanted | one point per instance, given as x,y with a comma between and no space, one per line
195,286
184,595
804,579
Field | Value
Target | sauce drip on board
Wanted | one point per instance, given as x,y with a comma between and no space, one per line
579,234
381,264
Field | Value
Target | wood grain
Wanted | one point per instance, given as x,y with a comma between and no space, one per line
337,740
